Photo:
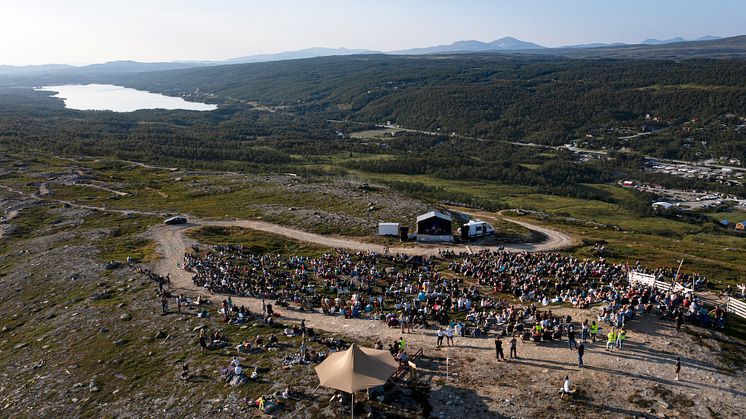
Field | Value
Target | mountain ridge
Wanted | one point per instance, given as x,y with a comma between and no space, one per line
675,48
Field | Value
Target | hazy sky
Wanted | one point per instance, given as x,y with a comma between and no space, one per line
88,31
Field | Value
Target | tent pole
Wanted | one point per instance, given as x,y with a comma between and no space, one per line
352,408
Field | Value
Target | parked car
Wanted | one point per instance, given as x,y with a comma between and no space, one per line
175,220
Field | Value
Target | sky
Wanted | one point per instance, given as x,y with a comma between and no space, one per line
91,31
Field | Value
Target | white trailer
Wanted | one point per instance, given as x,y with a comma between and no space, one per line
476,228
388,229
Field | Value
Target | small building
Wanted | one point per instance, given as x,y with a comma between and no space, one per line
388,229
662,205
628,183
741,226
434,226
476,228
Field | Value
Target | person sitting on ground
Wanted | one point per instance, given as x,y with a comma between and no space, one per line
244,347
255,374
566,389
235,362
273,341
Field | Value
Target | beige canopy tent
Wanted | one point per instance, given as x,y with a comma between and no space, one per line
356,369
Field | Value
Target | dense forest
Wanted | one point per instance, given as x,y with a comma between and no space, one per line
546,100
540,99
695,108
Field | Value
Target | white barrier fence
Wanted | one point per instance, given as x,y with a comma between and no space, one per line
736,307
649,280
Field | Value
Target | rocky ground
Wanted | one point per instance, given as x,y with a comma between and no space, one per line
78,339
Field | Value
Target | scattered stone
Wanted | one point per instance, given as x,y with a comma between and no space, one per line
160,335
125,317
119,342
103,330
20,345
104,295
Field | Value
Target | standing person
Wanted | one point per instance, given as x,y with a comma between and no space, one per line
678,367
581,352
402,344
611,340
164,305
449,336
513,348
585,331
571,338
499,349
679,319
179,300
202,340
719,316
440,337
264,308
594,331
620,338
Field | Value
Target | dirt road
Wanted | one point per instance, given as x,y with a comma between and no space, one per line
555,239
642,367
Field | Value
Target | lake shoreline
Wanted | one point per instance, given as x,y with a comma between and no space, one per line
109,97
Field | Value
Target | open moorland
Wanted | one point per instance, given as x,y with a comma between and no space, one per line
107,311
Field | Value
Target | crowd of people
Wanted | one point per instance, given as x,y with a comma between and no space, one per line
457,295
410,295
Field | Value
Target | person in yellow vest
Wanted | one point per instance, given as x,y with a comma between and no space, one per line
612,340
594,330
620,338
537,330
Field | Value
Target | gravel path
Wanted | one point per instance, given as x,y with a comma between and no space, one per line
637,381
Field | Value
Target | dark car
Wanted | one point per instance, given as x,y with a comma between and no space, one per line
175,220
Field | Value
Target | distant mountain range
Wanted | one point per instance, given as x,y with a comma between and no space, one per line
295,55
703,47
502,44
